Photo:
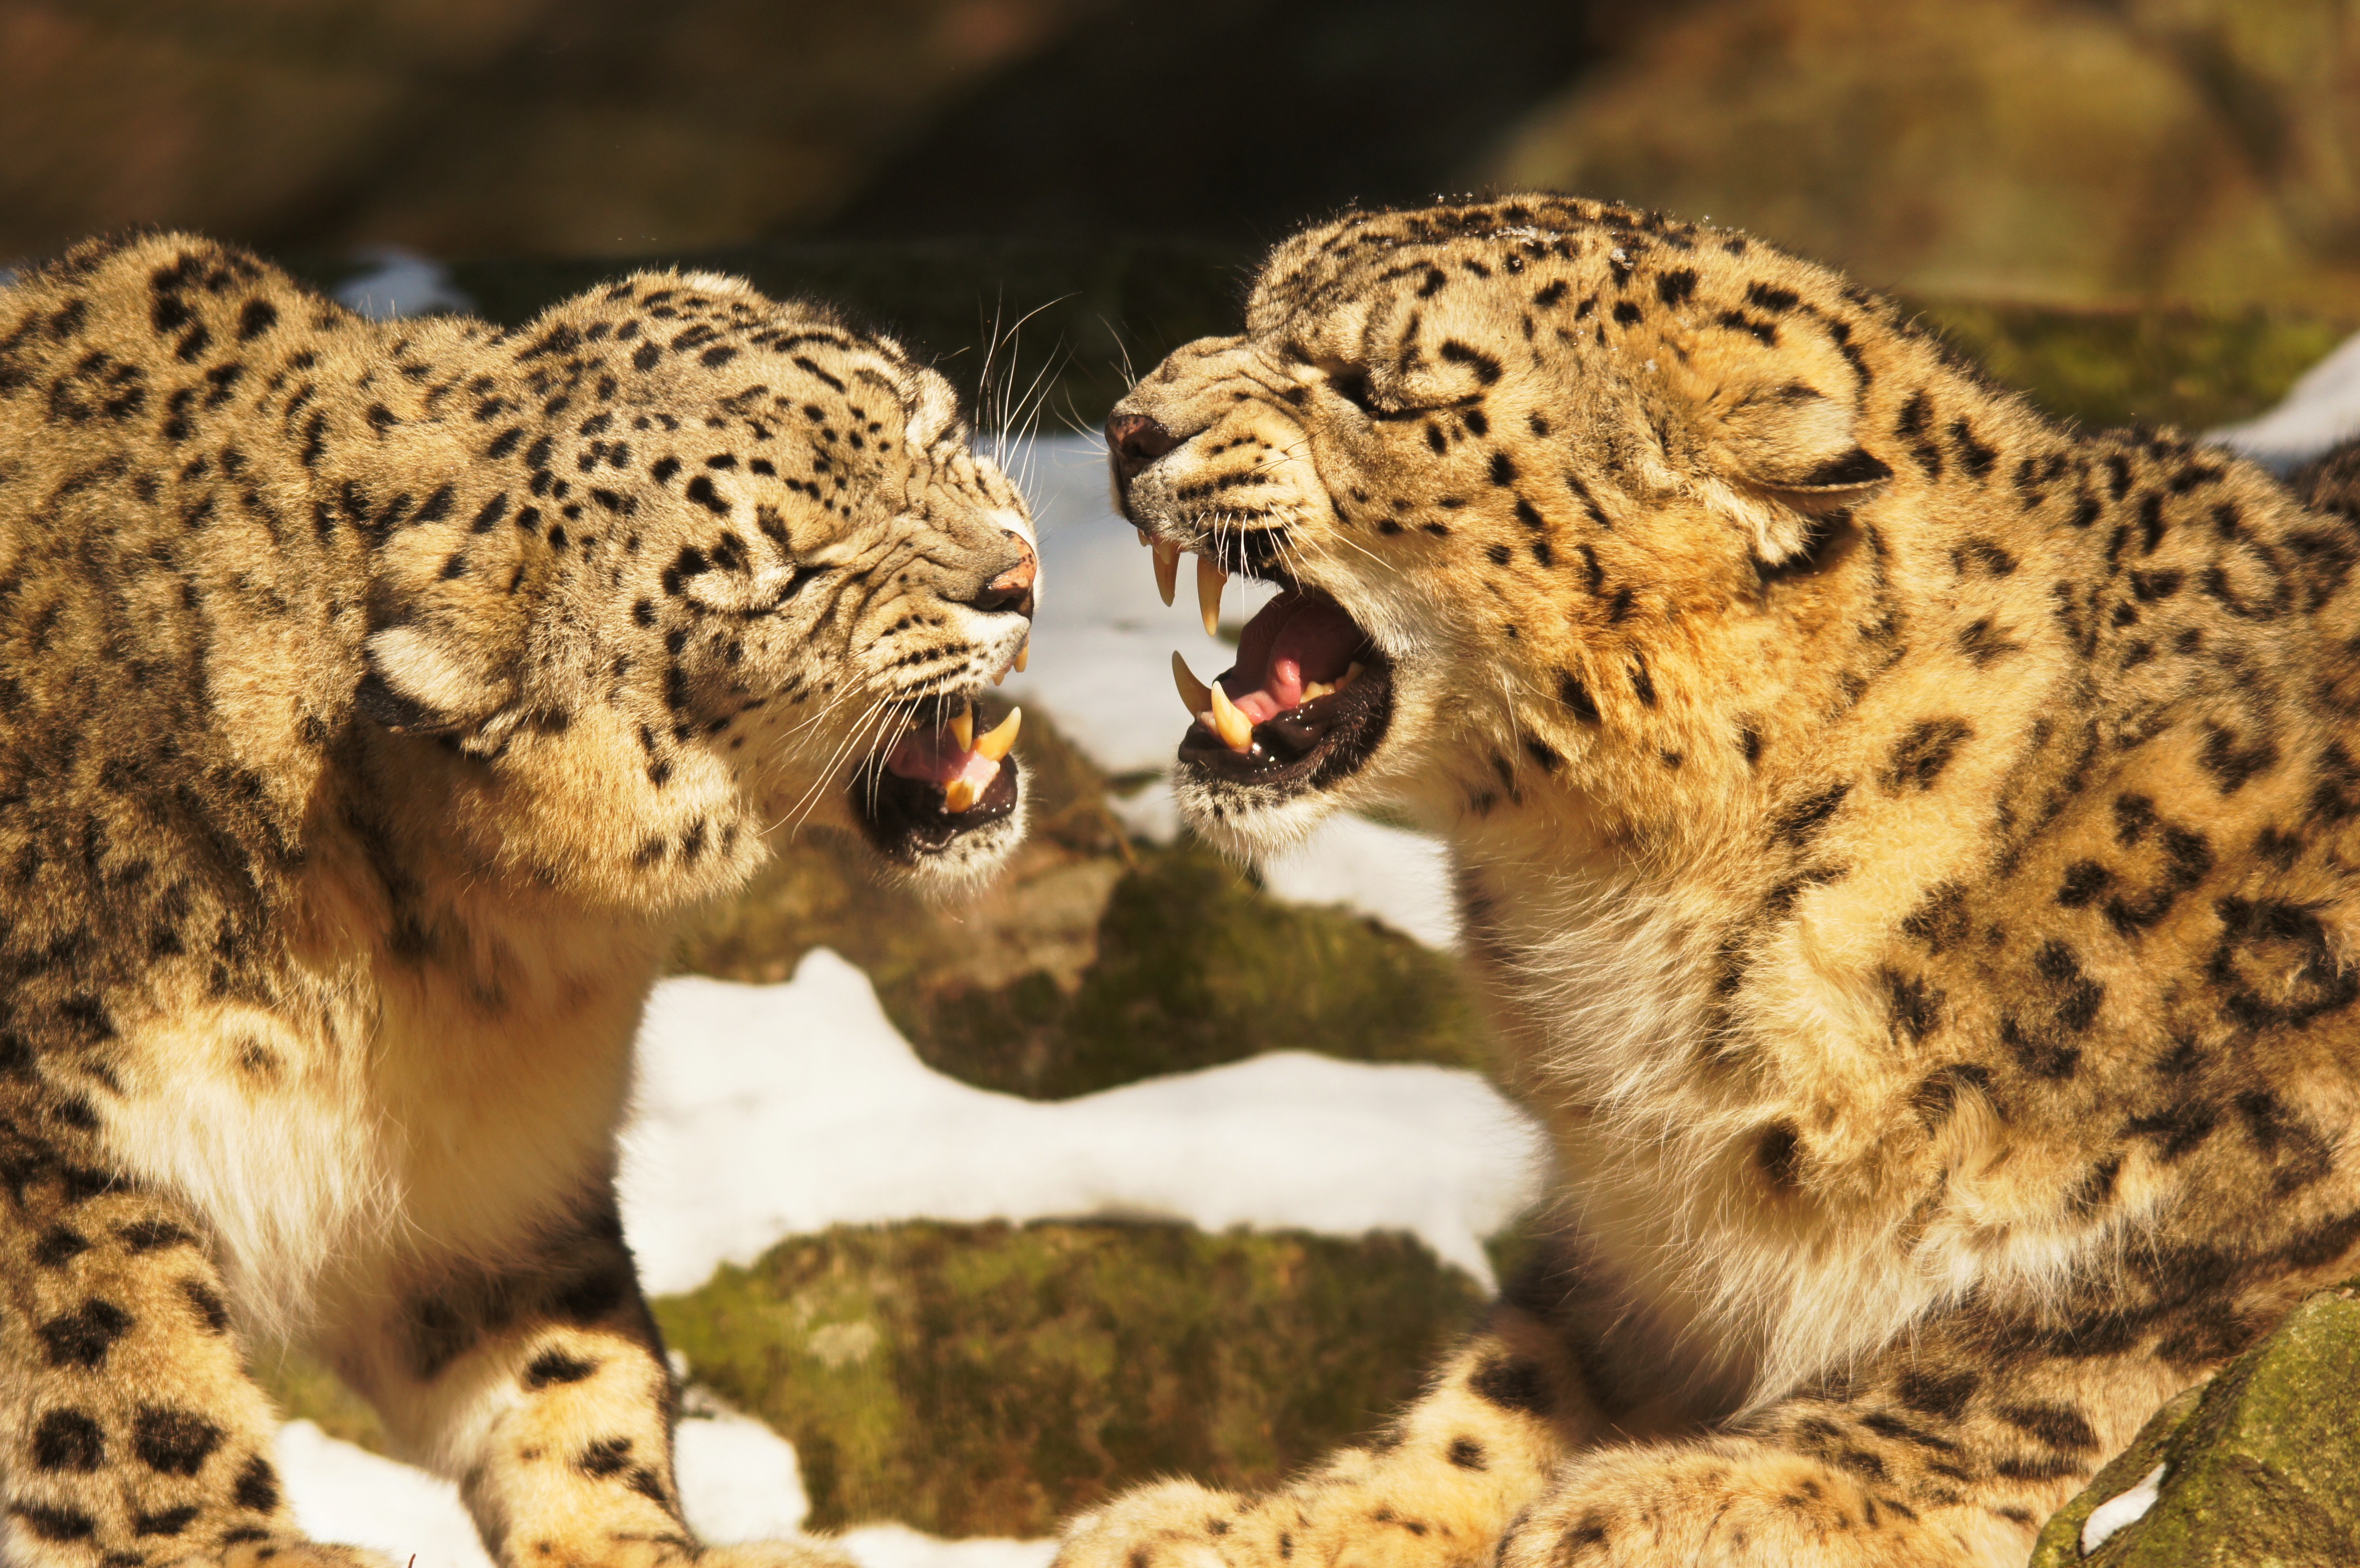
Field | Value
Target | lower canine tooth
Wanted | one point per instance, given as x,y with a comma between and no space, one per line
957,796
963,728
1315,689
1167,569
995,744
1235,729
1349,675
1210,578
1194,695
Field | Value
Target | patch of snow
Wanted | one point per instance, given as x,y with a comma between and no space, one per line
738,1479
2321,410
1402,879
899,1546
769,1111
345,1494
401,283
738,1483
2118,1513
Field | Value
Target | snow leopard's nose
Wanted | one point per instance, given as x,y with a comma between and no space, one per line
1134,441
1013,588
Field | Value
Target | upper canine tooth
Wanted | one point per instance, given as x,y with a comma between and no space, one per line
963,728
1235,729
1194,695
1210,578
1023,655
1167,569
1143,539
994,743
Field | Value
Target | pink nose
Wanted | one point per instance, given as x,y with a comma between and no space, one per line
1012,589
1134,441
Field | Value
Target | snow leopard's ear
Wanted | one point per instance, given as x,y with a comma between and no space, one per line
446,625
1778,420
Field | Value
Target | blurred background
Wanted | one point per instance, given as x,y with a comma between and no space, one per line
2133,209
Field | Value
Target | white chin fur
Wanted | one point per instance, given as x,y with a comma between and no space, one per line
1247,822
967,861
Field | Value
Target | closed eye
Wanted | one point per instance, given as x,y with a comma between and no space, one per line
1351,384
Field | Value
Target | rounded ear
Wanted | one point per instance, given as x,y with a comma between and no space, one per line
447,631
1779,421
416,682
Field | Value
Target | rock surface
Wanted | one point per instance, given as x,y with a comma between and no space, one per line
2260,1466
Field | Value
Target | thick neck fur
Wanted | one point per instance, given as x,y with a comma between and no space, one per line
1706,929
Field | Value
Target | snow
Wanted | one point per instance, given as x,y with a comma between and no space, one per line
1400,877
768,1111
401,283
345,1494
2322,408
2118,1513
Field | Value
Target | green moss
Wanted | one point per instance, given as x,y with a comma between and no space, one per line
2191,368
2259,1466
1198,966
988,1379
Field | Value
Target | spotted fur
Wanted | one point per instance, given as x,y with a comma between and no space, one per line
374,701
1908,845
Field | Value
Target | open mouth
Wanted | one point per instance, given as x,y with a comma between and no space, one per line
1305,705
937,781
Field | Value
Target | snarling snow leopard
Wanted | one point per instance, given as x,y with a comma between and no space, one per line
375,698
1908,845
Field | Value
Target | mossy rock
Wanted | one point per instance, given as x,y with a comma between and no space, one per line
2192,368
2260,1467
990,1379
1095,962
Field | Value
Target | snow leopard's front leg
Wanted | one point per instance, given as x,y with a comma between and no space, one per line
1439,1485
542,1388
1947,1450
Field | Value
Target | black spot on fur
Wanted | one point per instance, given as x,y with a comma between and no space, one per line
82,1337
174,1443
556,1366
1778,1153
1467,1453
54,1523
1512,1383
68,1440
1576,697
1800,823
258,1486
1919,758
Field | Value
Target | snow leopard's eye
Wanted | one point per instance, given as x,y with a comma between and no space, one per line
1350,383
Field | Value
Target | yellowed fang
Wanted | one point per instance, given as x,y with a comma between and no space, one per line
1194,695
1209,579
1167,569
1235,729
963,728
994,743
958,795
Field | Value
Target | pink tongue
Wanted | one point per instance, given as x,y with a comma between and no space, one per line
1294,638
934,756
